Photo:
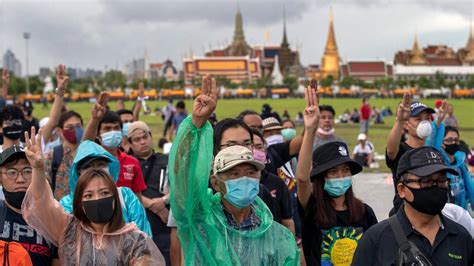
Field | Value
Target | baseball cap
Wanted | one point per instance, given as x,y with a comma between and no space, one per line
232,156
84,163
137,125
12,153
362,136
416,108
271,123
423,161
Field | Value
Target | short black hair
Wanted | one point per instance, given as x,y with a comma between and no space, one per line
180,104
327,108
259,134
110,117
449,129
222,126
11,112
244,113
124,111
288,120
66,115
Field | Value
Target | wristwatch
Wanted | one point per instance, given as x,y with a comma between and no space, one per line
56,91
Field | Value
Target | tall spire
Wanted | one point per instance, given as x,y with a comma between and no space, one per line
470,41
331,44
285,38
277,77
239,46
417,56
331,59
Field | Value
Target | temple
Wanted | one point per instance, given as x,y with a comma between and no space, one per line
331,60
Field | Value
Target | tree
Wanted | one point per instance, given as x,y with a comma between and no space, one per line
347,82
424,83
327,81
440,79
291,83
115,79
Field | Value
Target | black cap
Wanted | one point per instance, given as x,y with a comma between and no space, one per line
27,104
416,108
423,161
330,155
12,153
84,163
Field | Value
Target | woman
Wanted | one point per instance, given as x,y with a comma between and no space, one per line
333,218
96,233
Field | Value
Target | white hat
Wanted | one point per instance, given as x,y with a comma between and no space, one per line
362,136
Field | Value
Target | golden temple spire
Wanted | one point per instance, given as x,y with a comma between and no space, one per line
331,40
417,56
470,41
330,61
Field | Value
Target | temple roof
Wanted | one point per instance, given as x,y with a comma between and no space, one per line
331,44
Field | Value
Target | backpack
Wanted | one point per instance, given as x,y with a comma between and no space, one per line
58,153
408,253
11,253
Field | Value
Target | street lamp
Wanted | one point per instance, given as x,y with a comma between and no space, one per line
27,36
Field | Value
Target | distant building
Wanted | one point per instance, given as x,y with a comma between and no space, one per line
12,63
78,73
44,72
137,69
166,70
366,70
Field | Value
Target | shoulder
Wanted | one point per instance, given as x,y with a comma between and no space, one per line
456,228
376,231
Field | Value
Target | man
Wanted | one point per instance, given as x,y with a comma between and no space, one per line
252,119
365,112
178,116
325,131
154,166
415,119
272,131
29,121
11,119
364,151
423,186
451,120
167,116
107,128
16,178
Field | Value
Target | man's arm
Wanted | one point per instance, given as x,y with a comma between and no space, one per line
98,111
55,113
403,113
138,103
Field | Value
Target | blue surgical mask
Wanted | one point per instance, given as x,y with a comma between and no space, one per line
241,192
125,129
111,139
337,187
288,133
50,145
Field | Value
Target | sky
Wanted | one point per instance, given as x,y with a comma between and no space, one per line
105,34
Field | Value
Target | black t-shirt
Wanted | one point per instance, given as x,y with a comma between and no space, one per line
393,165
335,245
15,229
277,155
266,197
280,194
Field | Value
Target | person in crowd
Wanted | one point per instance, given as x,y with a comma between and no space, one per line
235,226
345,117
365,114
267,112
30,121
288,130
4,88
286,115
451,120
299,118
330,212
53,141
11,119
127,117
167,112
252,119
461,185
272,131
178,116
154,166
364,151
414,119
355,116
325,132
92,155
96,233
106,126
378,116
16,174
418,234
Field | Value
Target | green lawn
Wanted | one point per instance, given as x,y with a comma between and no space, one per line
464,110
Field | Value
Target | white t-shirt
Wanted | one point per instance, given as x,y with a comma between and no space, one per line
367,149
460,216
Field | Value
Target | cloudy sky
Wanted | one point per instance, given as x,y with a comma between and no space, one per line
107,34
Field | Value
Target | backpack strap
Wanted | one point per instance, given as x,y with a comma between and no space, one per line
3,214
58,153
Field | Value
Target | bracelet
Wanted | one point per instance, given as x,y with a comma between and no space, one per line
56,91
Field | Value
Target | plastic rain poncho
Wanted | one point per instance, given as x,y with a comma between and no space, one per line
78,244
132,208
205,236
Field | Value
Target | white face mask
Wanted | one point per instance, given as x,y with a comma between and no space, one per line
326,133
423,130
275,139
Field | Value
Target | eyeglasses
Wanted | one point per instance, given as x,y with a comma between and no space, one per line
451,141
428,182
247,144
13,173
9,123
72,127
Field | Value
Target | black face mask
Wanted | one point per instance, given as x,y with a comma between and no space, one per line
99,211
430,200
15,199
1,138
451,149
12,132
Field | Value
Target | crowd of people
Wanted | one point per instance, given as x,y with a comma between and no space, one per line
247,190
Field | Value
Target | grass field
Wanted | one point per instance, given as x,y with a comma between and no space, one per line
464,111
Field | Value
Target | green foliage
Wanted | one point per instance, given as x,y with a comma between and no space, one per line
327,81
291,83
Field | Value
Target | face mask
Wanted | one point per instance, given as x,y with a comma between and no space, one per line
429,200
275,139
111,139
451,149
73,136
288,133
325,132
12,132
53,144
260,156
15,199
125,129
99,211
28,112
337,187
241,192
423,130
1,138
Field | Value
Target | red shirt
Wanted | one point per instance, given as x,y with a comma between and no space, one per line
130,173
365,111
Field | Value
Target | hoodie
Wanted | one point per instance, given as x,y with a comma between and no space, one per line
132,208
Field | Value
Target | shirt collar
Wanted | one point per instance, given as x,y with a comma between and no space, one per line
249,223
408,227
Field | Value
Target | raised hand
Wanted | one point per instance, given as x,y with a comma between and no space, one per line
403,111
206,102
442,111
311,112
100,107
141,90
5,77
62,79
33,150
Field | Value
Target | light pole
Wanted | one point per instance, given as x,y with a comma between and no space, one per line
27,36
